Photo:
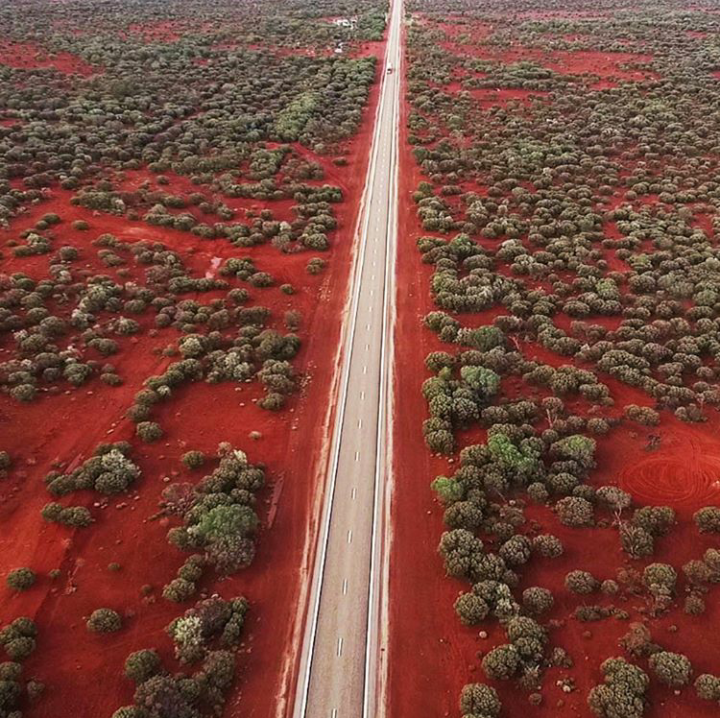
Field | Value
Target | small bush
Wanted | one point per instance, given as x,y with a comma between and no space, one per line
21,579
104,620
672,669
141,665
149,431
193,459
5,461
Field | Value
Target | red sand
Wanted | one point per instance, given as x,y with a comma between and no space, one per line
27,56
614,65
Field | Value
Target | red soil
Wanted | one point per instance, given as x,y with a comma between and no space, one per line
684,474
431,654
477,31
423,659
27,56
492,98
603,64
68,426
615,65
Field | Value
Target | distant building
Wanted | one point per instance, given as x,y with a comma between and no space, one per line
345,22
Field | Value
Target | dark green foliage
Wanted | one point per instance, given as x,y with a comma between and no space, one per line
109,471
193,459
21,579
149,431
214,618
75,516
18,640
141,665
218,519
104,620
622,693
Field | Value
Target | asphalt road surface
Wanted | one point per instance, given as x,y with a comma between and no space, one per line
341,660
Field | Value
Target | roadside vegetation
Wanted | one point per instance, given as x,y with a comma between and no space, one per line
567,210
178,183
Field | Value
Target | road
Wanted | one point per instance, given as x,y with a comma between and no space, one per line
341,664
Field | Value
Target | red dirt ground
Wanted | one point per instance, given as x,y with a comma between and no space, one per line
431,654
604,64
69,425
26,56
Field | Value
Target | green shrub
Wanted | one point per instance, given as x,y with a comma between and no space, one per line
104,620
21,579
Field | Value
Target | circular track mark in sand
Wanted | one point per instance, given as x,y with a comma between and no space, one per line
690,480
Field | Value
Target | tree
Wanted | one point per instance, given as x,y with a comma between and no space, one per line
479,700
21,579
672,669
141,665
538,493
104,620
660,575
18,639
547,545
614,498
219,667
193,459
464,514
224,531
10,671
501,662
537,600
75,516
638,641
581,582
623,693
18,649
642,414
449,490
471,609
575,511
179,590
576,448
694,605
149,431
707,687
162,696
461,551
10,694
187,634
435,361
484,382
635,541
656,520
708,519
516,550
